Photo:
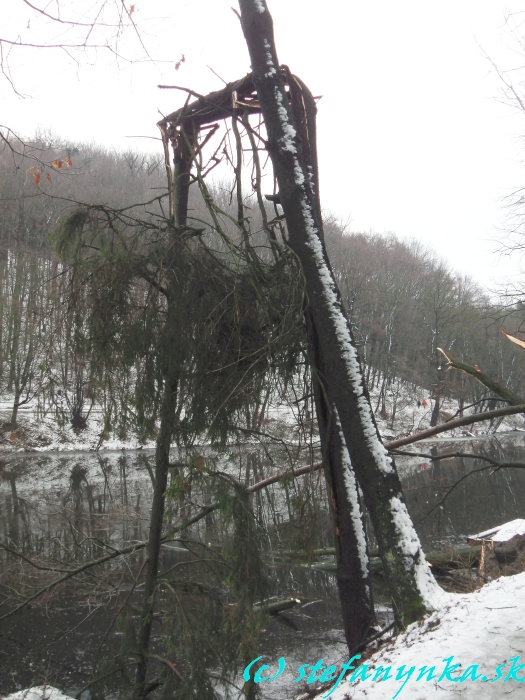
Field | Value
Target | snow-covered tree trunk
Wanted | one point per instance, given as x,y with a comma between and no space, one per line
353,576
411,584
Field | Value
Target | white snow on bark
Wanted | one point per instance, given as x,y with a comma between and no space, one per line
408,539
269,62
259,6
311,180
349,352
433,596
380,454
351,496
286,141
298,173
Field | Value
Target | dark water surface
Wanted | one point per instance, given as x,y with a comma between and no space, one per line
483,498
48,502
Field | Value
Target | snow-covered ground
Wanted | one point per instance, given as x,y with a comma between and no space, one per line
44,435
403,417
41,692
474,647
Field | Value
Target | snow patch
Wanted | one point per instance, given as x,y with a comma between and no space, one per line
351,493
433,596
40,692
259,6
298,173
504,532
269,61
311,179
286,141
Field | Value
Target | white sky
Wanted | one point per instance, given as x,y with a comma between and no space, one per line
411,136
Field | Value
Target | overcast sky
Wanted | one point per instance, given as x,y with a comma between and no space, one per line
412,138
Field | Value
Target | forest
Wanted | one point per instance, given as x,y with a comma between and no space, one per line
403,301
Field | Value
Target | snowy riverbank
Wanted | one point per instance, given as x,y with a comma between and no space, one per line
403,416
473,648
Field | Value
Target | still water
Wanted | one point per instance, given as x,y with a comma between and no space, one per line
70,508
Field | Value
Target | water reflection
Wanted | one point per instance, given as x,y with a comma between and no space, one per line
483,497
66,509
52,504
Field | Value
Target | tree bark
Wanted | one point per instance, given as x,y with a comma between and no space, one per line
351,550
167,417
162,454
410,582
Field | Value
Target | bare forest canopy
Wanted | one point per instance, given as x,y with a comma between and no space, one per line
403,302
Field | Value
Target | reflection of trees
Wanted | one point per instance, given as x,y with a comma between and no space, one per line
16,526
66,510
93,493
466,494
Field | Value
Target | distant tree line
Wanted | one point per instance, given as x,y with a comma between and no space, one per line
403,301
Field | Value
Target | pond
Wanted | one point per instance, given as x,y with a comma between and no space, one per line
70,508
484,498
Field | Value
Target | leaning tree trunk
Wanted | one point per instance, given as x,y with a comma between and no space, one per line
290,130
351,550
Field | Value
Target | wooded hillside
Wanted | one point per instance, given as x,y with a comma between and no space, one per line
403,301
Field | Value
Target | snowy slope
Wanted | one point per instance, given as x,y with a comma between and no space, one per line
483,632
403,417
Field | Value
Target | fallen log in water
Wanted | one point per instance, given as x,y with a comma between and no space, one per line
459,558
276,606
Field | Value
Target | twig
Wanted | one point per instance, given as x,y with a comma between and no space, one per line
74,572
458,482
121,608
